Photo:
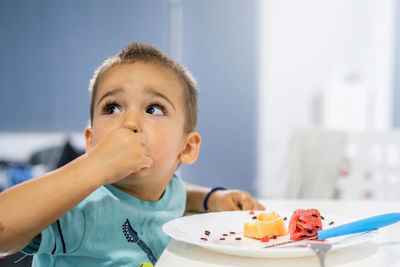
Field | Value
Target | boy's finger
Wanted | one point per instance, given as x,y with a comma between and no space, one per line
247,205
246,202
148,162
257,205
233,206
144,164
142,139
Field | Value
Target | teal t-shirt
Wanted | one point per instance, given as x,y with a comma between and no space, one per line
110,228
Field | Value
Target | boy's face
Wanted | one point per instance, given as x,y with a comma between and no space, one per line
146,98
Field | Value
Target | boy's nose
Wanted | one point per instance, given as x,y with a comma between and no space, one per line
132,122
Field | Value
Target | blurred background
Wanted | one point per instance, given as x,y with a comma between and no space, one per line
284,86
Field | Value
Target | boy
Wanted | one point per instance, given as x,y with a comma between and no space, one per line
106,208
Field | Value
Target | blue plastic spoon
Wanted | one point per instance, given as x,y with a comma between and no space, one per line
363,225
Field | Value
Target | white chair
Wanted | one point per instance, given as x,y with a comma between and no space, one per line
331,164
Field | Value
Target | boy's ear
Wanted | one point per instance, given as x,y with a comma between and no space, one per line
191,148
88,138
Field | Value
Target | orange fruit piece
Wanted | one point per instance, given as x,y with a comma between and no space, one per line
267,224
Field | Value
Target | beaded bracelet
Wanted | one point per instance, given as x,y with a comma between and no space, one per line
209,194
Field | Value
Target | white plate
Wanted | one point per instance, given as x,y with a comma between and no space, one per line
192,228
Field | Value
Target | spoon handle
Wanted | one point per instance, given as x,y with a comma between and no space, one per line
367,224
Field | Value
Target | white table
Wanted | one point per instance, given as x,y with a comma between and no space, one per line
385,251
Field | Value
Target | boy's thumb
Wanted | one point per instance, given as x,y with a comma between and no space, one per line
148,162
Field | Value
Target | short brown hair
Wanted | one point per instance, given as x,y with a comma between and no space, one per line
137,52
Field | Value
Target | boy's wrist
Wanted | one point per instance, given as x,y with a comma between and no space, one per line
206,203
93,171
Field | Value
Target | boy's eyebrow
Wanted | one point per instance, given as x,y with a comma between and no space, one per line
109,93
156,93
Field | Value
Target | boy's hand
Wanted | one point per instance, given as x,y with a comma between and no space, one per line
121,153
228,200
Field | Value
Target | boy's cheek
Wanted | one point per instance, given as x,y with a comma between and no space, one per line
162,149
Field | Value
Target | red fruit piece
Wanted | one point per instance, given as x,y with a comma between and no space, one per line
265,239
304,223
251,212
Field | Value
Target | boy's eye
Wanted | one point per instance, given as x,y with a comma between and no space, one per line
156,110
111,109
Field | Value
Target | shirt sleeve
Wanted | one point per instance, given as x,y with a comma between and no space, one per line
64,236
33,247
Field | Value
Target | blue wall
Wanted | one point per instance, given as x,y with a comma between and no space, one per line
219,47
50,48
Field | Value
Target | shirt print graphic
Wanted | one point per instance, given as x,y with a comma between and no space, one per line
132,236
